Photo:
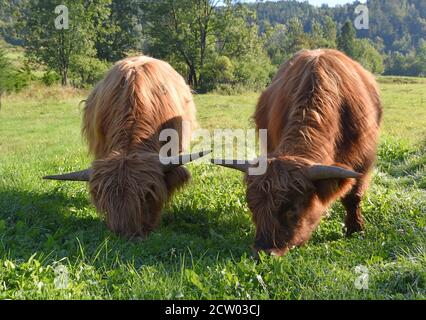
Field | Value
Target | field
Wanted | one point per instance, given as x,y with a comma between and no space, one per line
53,244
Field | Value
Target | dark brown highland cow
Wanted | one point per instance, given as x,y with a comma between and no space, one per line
323,113
123,117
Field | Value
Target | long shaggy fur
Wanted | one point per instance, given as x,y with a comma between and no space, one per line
321,108
122,120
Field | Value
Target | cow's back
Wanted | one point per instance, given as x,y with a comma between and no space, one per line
322,106
138,97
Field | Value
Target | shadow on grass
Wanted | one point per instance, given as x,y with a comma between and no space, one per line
55,225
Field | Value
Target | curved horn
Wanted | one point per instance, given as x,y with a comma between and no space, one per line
73,176
240,165
174,162
317,172
169,163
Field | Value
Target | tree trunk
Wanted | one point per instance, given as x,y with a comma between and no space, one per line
202,54
63,61
64,79
192,77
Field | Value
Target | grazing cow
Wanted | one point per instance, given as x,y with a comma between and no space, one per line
123,117
323,114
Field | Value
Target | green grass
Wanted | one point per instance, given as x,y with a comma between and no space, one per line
202,248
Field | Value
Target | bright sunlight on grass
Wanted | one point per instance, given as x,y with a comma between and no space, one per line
202,249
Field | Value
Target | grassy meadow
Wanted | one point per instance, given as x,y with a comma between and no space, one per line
54,246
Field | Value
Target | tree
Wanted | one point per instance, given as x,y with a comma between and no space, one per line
239,55
399,24
198,35
121,33
218,71
297,39
8,12
275,43
346,40
53,46
420,62
87,70
368,56
182,27
400,64
330,32
317,36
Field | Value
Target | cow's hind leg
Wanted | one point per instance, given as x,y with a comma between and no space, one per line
354,220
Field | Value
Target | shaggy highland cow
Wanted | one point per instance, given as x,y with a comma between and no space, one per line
323,113
123,117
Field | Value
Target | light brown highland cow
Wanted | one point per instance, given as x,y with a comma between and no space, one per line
323,113
123,117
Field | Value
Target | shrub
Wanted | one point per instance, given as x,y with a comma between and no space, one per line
12,79
246,73
369,57
219,71
254,72
87,70
50,78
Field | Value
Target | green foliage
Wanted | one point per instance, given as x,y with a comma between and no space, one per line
419,65
283,41
11,79
50,78
87,70
318,37
396,28
22,78
368,56
330,32
121,32
195,35
182,29
410,64
347,40
275,43
250,72
57,48
8,16
218,71
297,39
5,72
390,20
254,71
214,47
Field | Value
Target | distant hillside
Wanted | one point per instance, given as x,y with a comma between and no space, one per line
395,25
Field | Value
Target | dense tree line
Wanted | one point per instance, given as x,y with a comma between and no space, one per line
215,44
397,28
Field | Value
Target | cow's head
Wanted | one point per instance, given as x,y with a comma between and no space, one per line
288,200
131,190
